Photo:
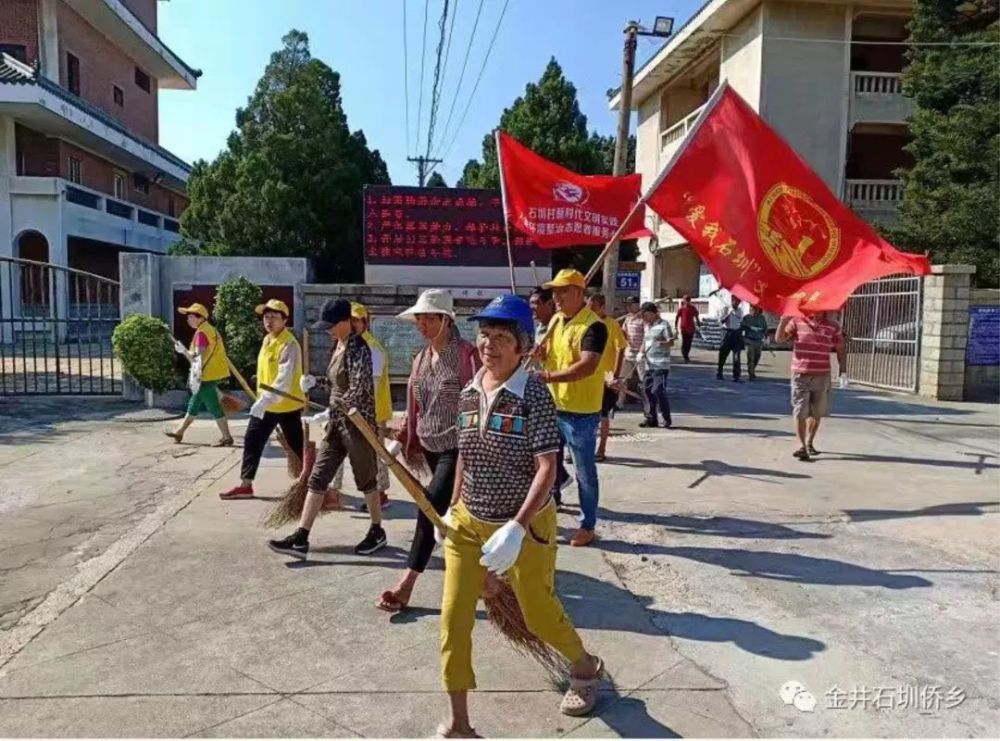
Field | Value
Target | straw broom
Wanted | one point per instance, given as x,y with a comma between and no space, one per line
502,608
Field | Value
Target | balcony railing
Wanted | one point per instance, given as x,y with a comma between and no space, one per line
880,194
680,129
878,83
93,199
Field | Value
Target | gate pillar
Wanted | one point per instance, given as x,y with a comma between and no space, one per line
945,331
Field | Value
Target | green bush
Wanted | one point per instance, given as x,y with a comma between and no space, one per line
236,318
145,348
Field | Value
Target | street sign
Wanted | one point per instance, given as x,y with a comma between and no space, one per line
628,281
984,336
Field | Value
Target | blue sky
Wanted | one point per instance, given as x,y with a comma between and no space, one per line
231,41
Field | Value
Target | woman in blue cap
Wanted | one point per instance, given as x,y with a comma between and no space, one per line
502,519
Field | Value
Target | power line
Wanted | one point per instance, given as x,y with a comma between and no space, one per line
479,78
423,52
406,79
461,76
436,86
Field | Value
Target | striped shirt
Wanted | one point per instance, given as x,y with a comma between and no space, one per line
635,330
812,343
437,389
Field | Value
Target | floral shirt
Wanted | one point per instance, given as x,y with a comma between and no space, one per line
350,378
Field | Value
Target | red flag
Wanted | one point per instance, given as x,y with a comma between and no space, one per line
765,224
559,208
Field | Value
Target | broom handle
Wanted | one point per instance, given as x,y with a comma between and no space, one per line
290,397
241,380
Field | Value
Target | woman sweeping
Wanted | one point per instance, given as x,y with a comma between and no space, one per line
438,374
349,377
503,520
209,365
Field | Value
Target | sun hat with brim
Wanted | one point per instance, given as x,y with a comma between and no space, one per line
358,311
508,308
334,311
196,309
273,305
566,278
431,301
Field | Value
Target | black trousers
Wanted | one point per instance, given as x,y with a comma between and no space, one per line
439,492
686,339
732,342
655,386
258,433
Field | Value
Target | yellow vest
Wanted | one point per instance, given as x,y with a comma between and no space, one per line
267,369
383,393
216,363
583,396
616,343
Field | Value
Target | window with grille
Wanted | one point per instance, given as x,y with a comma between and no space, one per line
120,187
72,73
142,80
75,170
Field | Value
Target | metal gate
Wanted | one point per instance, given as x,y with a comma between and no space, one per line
882,323
55,330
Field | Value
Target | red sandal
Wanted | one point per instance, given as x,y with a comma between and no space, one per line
390,602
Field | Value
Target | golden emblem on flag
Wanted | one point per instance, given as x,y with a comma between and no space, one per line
797,235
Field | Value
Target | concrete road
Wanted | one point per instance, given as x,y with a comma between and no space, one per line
135,603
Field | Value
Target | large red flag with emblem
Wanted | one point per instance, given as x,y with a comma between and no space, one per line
765,224
557,207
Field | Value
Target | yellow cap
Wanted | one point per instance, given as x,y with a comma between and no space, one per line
198,309
567,277
273,305
358,311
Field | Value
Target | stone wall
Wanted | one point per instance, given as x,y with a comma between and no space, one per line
982,382
947,291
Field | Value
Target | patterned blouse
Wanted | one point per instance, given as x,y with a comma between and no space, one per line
350,379
499,442
437,389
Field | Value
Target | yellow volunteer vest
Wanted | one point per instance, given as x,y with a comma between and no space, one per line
216,363
616,343
267,369
383,393
583,396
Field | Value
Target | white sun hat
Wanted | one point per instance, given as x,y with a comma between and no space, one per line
431,301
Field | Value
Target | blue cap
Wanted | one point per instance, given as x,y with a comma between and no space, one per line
508,308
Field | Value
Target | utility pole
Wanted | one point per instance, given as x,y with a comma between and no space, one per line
423,169
621,150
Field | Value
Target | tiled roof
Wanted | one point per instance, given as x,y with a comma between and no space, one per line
15,72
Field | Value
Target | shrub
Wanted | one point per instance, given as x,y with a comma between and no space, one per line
236,318
145,348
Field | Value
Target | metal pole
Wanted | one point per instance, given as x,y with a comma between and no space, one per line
506,221
621,151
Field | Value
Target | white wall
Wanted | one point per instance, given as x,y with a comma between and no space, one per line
647,163
439,276
806,95
742,57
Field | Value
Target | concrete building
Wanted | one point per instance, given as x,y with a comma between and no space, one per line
825,75
82,176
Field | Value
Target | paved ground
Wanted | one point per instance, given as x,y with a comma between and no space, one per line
134,603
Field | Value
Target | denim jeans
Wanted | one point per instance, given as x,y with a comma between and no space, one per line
580,433
656,394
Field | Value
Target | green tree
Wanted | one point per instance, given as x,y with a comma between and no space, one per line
470,174
236,318
290,180
604,147
436,180
952,192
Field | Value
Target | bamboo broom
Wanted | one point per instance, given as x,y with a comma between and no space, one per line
502,608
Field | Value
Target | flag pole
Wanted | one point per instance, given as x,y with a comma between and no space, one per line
709,105
506,220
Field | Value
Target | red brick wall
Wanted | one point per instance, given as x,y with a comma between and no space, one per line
19,25
145,11
102,65
39,154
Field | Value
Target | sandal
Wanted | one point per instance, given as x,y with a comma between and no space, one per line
225,442
581,697
390,602
176,437
444,731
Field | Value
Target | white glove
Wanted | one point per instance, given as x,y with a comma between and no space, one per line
842,381
440,537
307,384
502,549
318,418
181,350
260,406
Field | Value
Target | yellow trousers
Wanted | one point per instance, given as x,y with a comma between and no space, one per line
532,578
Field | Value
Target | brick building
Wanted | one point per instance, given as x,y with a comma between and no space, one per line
82,175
